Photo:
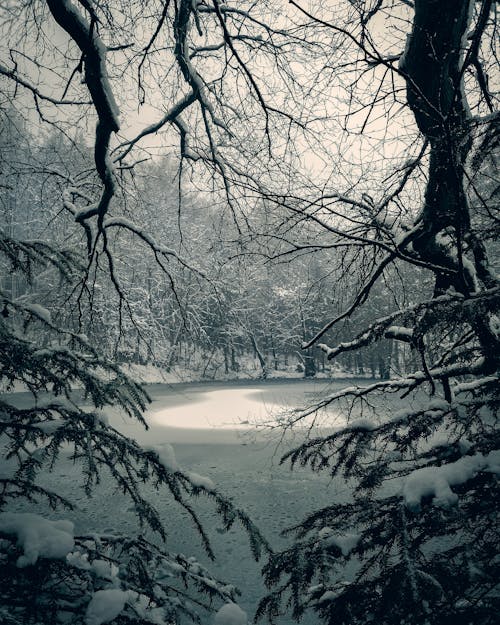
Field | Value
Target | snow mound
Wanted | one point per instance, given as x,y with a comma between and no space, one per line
105,605
38,537
230,614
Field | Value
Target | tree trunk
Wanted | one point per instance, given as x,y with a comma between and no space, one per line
434,70
309,365
259,355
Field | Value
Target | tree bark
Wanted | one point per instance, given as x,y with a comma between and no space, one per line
433,65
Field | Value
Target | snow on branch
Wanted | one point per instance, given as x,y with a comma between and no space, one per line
105,576
385,327
436,482
10,73
158,250
38,537
404,384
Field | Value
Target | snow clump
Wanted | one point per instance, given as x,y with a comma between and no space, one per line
38,537
105,605
39,311
437,481
166,456
345,543
201,481
230,614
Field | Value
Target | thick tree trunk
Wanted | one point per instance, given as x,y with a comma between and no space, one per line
434,67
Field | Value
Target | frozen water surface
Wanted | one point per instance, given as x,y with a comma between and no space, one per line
239,408
225,408
210,428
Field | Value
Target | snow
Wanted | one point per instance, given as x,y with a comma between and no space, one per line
201,481
105,605
475,385
166,456
361,424
78,560
104,569
437,481
49,427
346,543
464,445
233,408
230,614
39,311
435,406
145,609
101,418
100,568
329,595
38,537
399,331
494,324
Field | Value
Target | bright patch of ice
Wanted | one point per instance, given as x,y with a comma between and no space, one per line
39,537
437,481
230,614
227,408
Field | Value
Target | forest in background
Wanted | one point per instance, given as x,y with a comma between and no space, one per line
227,303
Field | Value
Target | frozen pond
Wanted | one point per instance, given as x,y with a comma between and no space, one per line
211,427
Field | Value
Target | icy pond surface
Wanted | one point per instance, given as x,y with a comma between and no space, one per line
211,428
233,408
205,407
